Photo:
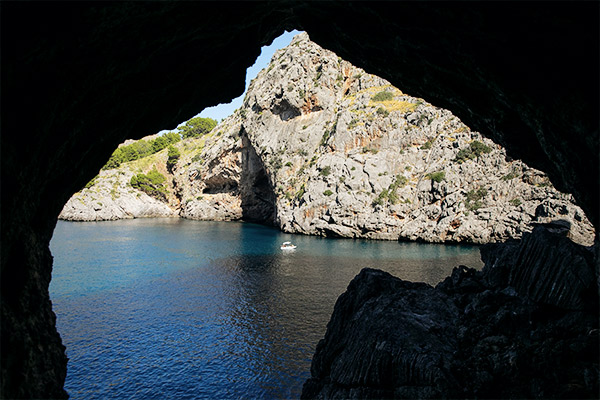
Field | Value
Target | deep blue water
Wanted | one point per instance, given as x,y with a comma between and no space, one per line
179,309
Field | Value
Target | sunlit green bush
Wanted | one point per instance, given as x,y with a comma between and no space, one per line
383,96
152,184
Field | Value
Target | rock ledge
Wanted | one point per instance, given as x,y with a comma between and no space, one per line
509,331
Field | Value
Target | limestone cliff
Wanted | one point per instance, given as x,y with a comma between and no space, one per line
349,155
109,196
321,147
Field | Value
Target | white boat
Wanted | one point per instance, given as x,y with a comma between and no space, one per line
288,246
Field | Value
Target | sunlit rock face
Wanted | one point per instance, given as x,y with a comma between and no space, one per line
349,155
321,147
79,78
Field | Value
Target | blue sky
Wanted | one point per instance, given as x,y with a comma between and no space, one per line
221,111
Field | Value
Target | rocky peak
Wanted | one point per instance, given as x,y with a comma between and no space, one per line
304,78
321,147
350,155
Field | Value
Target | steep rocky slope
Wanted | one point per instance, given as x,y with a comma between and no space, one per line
321,147
349,155
110,196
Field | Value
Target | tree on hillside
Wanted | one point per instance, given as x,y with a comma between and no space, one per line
141,149
159,143
113,161
197,127
173,157
172,137
129,153
163,141
151,184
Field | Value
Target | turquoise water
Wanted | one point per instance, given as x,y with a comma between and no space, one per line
171,308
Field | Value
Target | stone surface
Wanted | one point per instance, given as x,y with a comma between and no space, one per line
312,151
472,336
111,198
341,163
365,355
547,268
80,78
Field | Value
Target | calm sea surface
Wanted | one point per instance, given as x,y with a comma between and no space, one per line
178,309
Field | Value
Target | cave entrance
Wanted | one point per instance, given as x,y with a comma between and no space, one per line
256,192
258,204
258,180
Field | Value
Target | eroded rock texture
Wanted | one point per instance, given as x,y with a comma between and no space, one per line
514,330
80,78
315,149
386,338
344,160
546,267
112,197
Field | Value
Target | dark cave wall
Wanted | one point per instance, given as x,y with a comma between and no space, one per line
79,78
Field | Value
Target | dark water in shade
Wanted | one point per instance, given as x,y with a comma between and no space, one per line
178,309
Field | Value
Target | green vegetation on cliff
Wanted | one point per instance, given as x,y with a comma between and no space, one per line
475,149
389,194
140,149
474,197
383,96
174,155
197,127
152,184
91,183
436,176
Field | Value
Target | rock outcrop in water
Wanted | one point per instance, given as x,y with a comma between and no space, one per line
321,147
515,330
111,197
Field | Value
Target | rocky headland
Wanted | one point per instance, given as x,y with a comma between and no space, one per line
321,147
111,197
526,326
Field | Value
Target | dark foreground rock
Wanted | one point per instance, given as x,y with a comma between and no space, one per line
513,330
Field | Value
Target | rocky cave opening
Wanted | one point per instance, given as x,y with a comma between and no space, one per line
285,110
256,190
70,139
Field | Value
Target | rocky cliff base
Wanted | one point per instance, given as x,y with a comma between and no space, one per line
517,329
112,198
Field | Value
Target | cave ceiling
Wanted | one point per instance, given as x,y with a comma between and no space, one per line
90,75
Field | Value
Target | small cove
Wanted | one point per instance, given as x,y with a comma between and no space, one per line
171,308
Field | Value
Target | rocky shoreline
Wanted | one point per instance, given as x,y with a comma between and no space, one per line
517,329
